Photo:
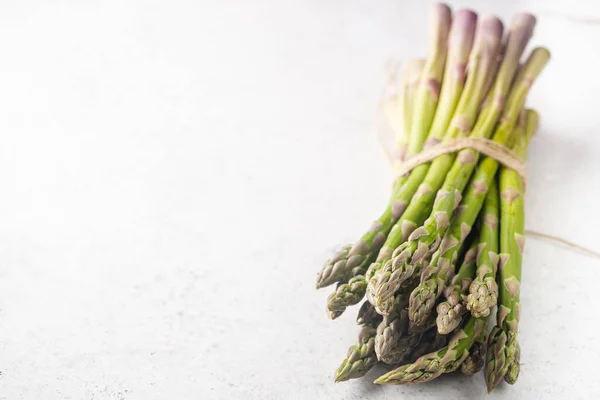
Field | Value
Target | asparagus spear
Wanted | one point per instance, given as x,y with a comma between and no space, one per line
432,365
461,40
512,373
483,292
498,357
352,292
345,295
476,358
392,328
399,112
451,311
360,255
462,36
335,268
428,95
361,356
430,175
502,342
409,257
441,268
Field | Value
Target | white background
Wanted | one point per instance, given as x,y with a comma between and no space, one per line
174,173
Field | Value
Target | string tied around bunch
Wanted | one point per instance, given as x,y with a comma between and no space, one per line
500,153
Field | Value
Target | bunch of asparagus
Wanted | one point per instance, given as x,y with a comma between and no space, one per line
446,252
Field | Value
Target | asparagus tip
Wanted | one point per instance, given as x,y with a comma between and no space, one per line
333,314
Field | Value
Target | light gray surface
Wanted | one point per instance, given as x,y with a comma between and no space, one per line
174,173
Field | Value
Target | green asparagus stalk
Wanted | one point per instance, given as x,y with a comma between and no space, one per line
435,276
427,97
460,44
361,356
345,295
352,292
483,291
399,112
432,365
451,311
452,176
335,268
429,176
360,255
461,40
504,351
413,73
476,358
